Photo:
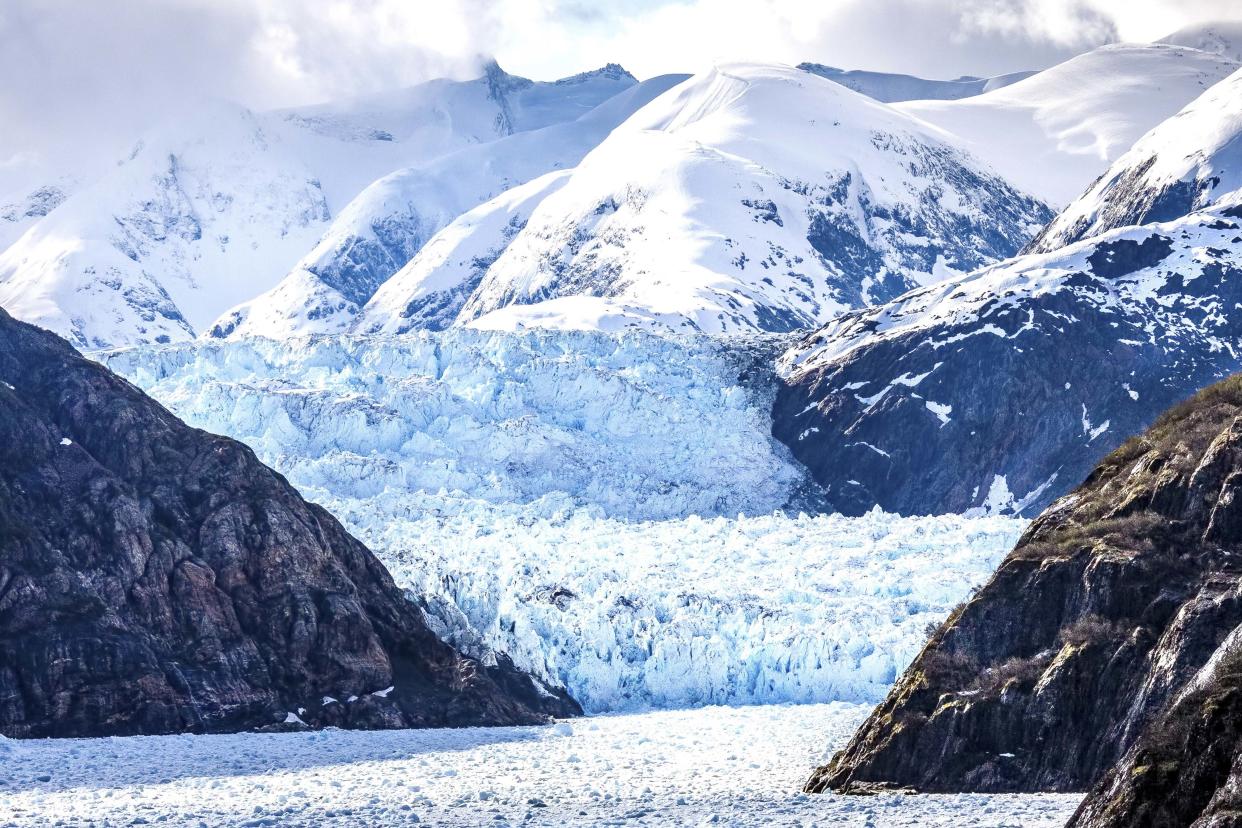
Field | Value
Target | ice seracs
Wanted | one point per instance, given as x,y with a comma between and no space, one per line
555,496
750,197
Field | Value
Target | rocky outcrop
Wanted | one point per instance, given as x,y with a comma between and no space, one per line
155,578
1004,390
1104,651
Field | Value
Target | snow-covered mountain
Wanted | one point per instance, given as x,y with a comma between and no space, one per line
208,211
19,211
1188,163
388,222
1222,37
1002,390
1053,133
196,216
748,198
891,87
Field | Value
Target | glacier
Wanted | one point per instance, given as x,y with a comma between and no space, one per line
610,510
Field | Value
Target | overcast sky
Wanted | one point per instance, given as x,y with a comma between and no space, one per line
102,65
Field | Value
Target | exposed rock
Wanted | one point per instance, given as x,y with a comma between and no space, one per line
1002,389
1112,633
155,578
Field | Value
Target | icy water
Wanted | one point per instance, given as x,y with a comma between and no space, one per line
725,766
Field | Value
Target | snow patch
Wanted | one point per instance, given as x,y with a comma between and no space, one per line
941,410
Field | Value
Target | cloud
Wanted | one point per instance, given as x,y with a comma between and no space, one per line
937,38
85,75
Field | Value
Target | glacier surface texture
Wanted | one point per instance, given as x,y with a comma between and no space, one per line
609,509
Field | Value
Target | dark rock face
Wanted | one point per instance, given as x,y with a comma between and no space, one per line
1106,650
1125,200
357,265
155,578
1007,387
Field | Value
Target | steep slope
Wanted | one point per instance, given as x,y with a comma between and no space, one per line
210,211
429,292
188,224
1002,390
388,222
21,210
155,578
1190,162
1052,134
747,198
1107,639
888,87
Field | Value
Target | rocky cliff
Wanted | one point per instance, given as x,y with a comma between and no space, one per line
1104,651
155,578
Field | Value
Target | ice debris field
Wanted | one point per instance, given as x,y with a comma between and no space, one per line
739,766
670,577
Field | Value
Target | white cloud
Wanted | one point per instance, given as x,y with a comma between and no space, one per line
105,67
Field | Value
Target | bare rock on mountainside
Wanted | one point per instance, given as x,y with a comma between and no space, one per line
155,578
1103,652
1002,389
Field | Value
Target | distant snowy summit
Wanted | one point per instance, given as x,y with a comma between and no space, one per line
208,212
891,88
1218,37
1053,133
749,197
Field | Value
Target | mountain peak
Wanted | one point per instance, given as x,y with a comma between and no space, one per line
1184,164
1221,37
499,81
611,71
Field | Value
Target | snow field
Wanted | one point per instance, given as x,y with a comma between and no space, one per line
727,766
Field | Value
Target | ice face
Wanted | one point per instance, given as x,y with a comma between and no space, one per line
605,508
637,426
